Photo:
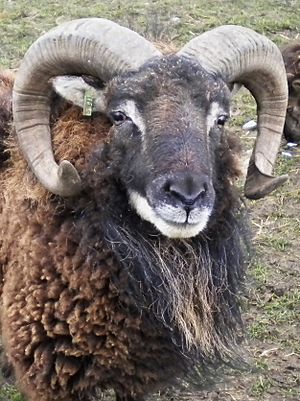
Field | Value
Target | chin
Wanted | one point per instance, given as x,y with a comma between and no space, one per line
167,227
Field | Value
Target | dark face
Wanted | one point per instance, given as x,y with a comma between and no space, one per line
168,119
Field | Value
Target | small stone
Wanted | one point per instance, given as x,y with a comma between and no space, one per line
175,20
250,126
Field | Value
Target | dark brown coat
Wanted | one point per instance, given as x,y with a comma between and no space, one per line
92,298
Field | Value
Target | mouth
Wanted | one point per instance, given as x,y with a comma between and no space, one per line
171,221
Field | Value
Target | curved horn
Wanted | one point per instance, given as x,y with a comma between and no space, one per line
91,46
241,55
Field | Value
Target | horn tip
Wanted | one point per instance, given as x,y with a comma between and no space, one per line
259,185
69,179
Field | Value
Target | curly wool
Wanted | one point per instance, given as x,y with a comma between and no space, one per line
91,294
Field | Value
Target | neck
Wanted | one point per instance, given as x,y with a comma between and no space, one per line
190,286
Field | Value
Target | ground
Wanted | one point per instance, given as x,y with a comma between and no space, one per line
272,306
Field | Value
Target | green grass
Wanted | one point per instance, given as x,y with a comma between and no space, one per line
259,272
23,21
276,311
284,309
243,108
9,393
286,165
261,386
260,330
279,244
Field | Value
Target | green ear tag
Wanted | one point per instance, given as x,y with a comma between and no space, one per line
88,102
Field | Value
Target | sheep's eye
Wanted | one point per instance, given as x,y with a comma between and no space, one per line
222,120
118,117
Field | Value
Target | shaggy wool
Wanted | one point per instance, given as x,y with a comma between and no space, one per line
95,298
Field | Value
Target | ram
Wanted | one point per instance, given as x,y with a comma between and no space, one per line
122,264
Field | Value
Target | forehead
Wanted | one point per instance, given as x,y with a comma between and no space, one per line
172,76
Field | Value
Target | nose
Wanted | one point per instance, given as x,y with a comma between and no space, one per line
187,188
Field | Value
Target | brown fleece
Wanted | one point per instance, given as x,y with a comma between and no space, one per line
63,329
67,327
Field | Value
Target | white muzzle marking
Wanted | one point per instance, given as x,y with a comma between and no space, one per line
160,218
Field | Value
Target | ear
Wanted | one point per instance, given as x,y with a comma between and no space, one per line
74,89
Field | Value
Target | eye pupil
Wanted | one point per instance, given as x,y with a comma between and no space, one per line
118,117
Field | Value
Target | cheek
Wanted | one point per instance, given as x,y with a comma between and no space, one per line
135,169
126,134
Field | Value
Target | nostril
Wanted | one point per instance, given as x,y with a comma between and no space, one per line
167,187
204,190
187,196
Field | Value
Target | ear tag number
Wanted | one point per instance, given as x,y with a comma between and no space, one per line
88,102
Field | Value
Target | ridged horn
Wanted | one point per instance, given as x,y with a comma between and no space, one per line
92,46
243,56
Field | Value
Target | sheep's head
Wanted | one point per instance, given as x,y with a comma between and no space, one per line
168,113
291,57
168,118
